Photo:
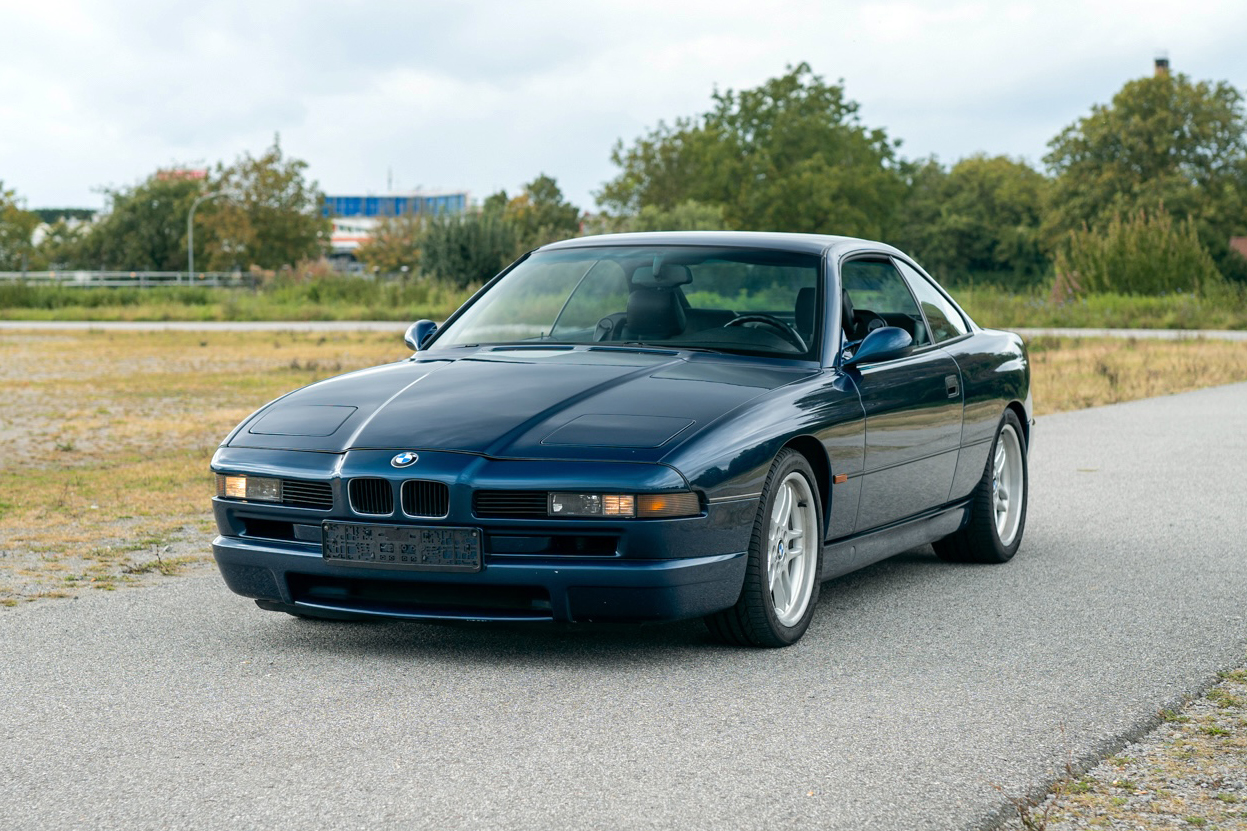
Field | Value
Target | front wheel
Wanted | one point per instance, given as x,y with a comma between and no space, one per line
998,506
785,554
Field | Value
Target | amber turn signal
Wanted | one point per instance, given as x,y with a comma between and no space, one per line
667,505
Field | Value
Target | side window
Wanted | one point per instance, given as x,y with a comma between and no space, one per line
946,322
879,298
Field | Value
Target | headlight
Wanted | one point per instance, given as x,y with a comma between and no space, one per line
256,488
592,504
623,505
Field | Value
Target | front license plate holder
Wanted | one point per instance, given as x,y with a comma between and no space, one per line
406,547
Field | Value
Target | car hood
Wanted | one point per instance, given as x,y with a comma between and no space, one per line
584,403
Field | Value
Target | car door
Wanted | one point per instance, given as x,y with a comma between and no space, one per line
912,404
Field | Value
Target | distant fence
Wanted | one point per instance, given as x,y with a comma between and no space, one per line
129,279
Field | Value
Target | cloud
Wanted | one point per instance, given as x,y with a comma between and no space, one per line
487,95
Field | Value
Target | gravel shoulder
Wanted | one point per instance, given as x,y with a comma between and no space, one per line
1190,772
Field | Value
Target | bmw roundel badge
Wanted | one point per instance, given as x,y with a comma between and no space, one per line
404,459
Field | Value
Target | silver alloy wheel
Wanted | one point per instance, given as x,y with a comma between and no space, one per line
1008,497
792,553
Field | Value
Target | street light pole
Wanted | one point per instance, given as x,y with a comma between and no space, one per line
190,231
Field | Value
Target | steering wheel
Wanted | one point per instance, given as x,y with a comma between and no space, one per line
867,321
783,329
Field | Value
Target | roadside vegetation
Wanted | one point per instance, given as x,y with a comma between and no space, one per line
356,298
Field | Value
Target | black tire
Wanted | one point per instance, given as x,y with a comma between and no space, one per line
980,541
754,621
312,614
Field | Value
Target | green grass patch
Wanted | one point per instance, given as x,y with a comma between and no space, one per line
329,298
1223,308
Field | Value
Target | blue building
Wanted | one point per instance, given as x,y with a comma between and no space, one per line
395,204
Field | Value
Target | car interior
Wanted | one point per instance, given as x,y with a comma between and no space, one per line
659,310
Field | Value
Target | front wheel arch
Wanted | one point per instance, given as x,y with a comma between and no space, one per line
814,452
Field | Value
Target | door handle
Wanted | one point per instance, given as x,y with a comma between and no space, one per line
952,385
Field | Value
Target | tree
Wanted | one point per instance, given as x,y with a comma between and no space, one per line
983,216
1163,140
790,155
17,228
689,215
61,244
539,215
466,249
271,215
394,245
142,228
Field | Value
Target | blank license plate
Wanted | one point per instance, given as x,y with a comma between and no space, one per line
402,546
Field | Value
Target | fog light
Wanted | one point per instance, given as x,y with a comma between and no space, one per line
257,488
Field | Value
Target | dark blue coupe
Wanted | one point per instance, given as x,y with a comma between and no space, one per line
640,427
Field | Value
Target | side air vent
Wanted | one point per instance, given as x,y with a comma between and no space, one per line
372,496
306,494
426,499
510,504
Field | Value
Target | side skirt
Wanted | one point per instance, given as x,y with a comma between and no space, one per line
851,553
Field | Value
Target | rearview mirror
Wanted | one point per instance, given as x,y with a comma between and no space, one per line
882,344
418,333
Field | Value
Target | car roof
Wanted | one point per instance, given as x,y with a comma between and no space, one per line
805,243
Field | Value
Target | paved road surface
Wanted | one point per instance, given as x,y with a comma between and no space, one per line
919,687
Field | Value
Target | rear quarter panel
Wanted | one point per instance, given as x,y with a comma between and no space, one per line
995,372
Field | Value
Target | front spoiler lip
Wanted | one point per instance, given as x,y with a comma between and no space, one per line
684,588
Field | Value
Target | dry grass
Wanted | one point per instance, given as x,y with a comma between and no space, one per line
1074,373
105,437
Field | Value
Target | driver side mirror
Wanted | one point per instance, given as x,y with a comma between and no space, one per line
418,333
883,344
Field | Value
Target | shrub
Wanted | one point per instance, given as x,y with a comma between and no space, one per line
1146,254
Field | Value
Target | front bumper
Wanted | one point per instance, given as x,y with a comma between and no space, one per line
294,574
531,568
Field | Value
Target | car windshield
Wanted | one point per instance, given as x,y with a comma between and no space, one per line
728,299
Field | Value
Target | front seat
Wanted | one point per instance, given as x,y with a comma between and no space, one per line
653,314
655,311
804,314
847,321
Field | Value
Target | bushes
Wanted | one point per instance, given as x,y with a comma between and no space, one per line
1144,255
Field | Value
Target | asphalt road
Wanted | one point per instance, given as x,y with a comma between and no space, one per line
919,690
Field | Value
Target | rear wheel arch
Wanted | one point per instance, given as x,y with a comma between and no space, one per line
1020,412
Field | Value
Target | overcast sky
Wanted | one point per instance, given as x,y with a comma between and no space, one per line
487,95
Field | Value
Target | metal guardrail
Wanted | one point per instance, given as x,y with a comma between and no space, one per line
129,279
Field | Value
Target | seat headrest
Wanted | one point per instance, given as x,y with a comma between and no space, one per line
846,316
804,316
653,313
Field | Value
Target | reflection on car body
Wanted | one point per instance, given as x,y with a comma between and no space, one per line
640,427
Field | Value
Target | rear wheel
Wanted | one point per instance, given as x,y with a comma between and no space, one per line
998,507
785,554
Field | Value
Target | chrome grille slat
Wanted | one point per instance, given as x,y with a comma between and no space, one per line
425,499
371,496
